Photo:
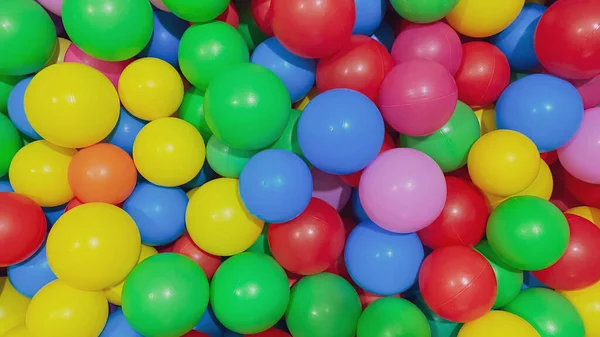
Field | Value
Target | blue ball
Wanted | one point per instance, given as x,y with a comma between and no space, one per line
117,326
53,213
385,35
124,133
516,41
159,212
29,276
529,281
5,186
544,108
369,15
296,73
210,325
382,262
340,131
16,109
205,175
164,45
357,209
276,185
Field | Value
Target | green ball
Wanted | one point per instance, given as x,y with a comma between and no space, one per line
449,146
7,83
165,295
550,313
323,305
248,28
110,35
227,161
509,279
392,316
207,49
423,11
249,293
439,326
528,233
197,10
289,138
261,245
27,37
192,111
247,106
10,143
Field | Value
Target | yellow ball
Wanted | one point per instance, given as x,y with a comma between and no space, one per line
483,18
12,306
150,88
59,310
39,171
587,303
541,187
217,220
590,213
498,324
114,293
169,152
93,246
191,192
503,162
487,119
59,51
18,331
72,105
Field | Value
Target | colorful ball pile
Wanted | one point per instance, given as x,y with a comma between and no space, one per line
299,168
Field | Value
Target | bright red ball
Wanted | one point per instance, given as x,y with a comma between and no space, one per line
208,262
195,333
262,13
549,157
230,16
270,333
457,283
311,242
353,179
22,228
588,194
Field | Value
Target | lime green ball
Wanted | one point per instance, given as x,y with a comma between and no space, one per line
392,316
289,138
528,233
7,83
509,279
207,49
27,37
449,146
247,106
249,293
10,143
197,10
423,11
248,28
227,161
192,111
261,245
109,30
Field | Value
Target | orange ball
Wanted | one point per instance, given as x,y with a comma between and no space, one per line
102,173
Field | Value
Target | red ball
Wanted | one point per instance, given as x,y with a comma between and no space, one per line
483,74
22,228
353,179
463,219
311,242
208,262
578,267
561,197
230,16
457,283
262,13
270,333
549,157
588,194
313,28
73,203
360,65
367,298
195,333
567,39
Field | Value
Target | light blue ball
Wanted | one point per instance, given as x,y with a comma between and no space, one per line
16,109
164,44
369,15
117,326
5,186
124,133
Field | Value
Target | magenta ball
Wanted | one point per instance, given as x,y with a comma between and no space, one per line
589,90
418,97
581,155
112,70
403,190
433,41
331,189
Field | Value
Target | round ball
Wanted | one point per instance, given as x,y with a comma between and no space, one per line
392,315
369,16
225,160
498,324
16,113
112,70
196,11
114,294
208,262
483,18
31,275
11,143
125,132
13,305
192,111
587,305
423,12
166,37
581,154
589,89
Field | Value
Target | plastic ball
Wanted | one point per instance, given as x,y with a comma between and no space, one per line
114,294
544,108
369,16
165,295
423,12
10,144
323,305
117,326
59,310
71,105
297,73
330,188
418,97
435,41
217,220
249,293
353,179
248,26
192,111
262,13
18,331
483,74
503,162
93,246
28,37
392,316
112,70
589,89
16,109
309,243
382,262
29,276
528,233
580,155
62,45
109,35
166,36
226,160
230,16
483,18
311,28
158,212
403,190
457,283
125,132
247,106
571,26
590,213
7,84
498,324
39,171
587,303
150,88
12,306
195,11
208,262
168,152
585,193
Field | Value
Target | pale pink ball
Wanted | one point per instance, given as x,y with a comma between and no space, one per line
54,6
581,155
112,70
331,189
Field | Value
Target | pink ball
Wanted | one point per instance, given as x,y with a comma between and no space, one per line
433,41
112,70
589,90
160,5
418,97
403,190
331,189
581,155
54,6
